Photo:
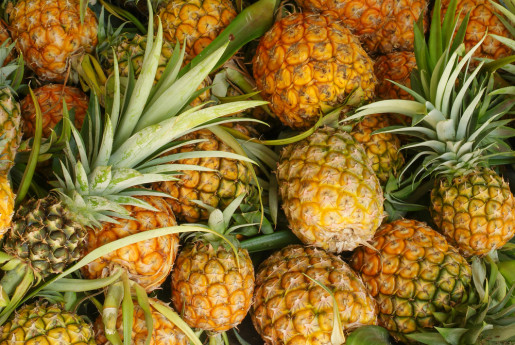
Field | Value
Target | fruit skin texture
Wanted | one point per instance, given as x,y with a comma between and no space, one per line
164,333
10,129
6,204
44,236
148,262
197,21
308,63
382,149
382,26
217,189
49,34
396,66
411,271
476,212
330,194
289,308
50,98
46,324
482,19
209,290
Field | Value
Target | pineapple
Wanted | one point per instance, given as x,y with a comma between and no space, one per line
50,35
396,66
164,333
212,283
6,204
382,26
41,323
196,22
148,262
382,149
412,272
217,188
475,210
50,98
290,308
307,64
458,133
330,193
483,20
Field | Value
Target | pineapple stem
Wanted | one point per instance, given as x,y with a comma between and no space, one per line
112,304
216,339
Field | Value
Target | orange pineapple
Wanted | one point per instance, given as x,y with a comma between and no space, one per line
395,66
49,34
382,26
482,20
50,98
196,21
147,262
307,64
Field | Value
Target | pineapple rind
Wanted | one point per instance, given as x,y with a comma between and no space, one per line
330,193
412,272
289,308
41,323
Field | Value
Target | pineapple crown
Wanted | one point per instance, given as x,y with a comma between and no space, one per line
456,114
125,150
220,221
507,16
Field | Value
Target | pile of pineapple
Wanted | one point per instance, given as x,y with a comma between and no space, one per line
264,172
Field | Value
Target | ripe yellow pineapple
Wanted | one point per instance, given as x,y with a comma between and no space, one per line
217,188
289,308
307,64
483,20
330,193
49,34
213,283
41,323
412,272
147,262
164,333
197,22
382,149
382,26
6,204
50,98
209,290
